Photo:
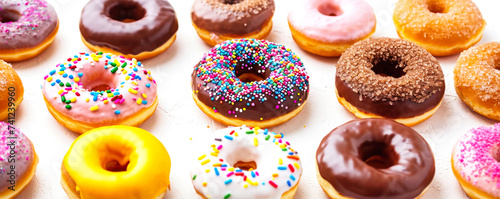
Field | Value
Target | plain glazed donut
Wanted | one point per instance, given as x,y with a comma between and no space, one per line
11,91
27,28
247,163
389,78
138,29
18,161
329,27
475,163
374,158
218,20
442,27
116,162
477,78
250,82
99,89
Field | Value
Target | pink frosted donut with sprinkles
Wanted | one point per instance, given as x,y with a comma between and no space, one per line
245,162
27,28
99,89
475,162
18,161
250,82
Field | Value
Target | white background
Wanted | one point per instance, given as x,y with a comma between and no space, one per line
180,125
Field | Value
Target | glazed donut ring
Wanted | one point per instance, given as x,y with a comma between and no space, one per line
250,82
11,91
442,27
116,162
247,162
374,158
138,29
27,28
477,79
216,21
389,78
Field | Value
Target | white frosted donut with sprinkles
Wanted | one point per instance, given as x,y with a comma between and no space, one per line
99,89
18,161
475,162
247,162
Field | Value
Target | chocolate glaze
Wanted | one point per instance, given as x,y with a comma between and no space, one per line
155,24
32,22
342,153
388,109
229,17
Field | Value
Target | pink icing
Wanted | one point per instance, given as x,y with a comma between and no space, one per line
475,157
131,87
22,158
354,19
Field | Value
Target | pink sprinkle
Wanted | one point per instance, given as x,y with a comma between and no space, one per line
230,174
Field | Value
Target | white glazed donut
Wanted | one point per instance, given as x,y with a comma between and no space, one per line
247,162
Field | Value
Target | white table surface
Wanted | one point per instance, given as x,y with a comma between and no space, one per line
180,125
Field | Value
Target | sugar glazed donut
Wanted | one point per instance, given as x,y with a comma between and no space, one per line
27,28
99,89
477,79
374,158
442,27
138,29
116,162
475,163
218,20
389,78
247,163
250,82
328,28
11,91
18,161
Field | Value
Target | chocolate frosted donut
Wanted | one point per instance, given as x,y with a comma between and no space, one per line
134,28
389,78
220,20
374,158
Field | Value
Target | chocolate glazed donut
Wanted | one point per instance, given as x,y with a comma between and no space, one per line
375,158
128,26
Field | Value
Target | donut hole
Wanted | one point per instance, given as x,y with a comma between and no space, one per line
127,11
114,166
95,81
251,74
244,158
7,16
232,2
330,10
247,166
378,155
496,62
388,68
436,7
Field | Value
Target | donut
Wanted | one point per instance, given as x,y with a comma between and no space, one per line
11,91
27,28
138,29
250,82
247,162
443,27
18,161
389,78
328,28
374,158
99,89
477,79
218,20
116,162
474,162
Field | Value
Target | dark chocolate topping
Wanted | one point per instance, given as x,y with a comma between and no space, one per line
390,77
375,158
128,26
232,17
25,24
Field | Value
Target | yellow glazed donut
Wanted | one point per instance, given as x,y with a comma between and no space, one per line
11,91
116,162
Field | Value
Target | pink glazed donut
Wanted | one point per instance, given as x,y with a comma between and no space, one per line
475,162
91,90
329,27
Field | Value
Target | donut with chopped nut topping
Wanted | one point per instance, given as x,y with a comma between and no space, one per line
389,78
